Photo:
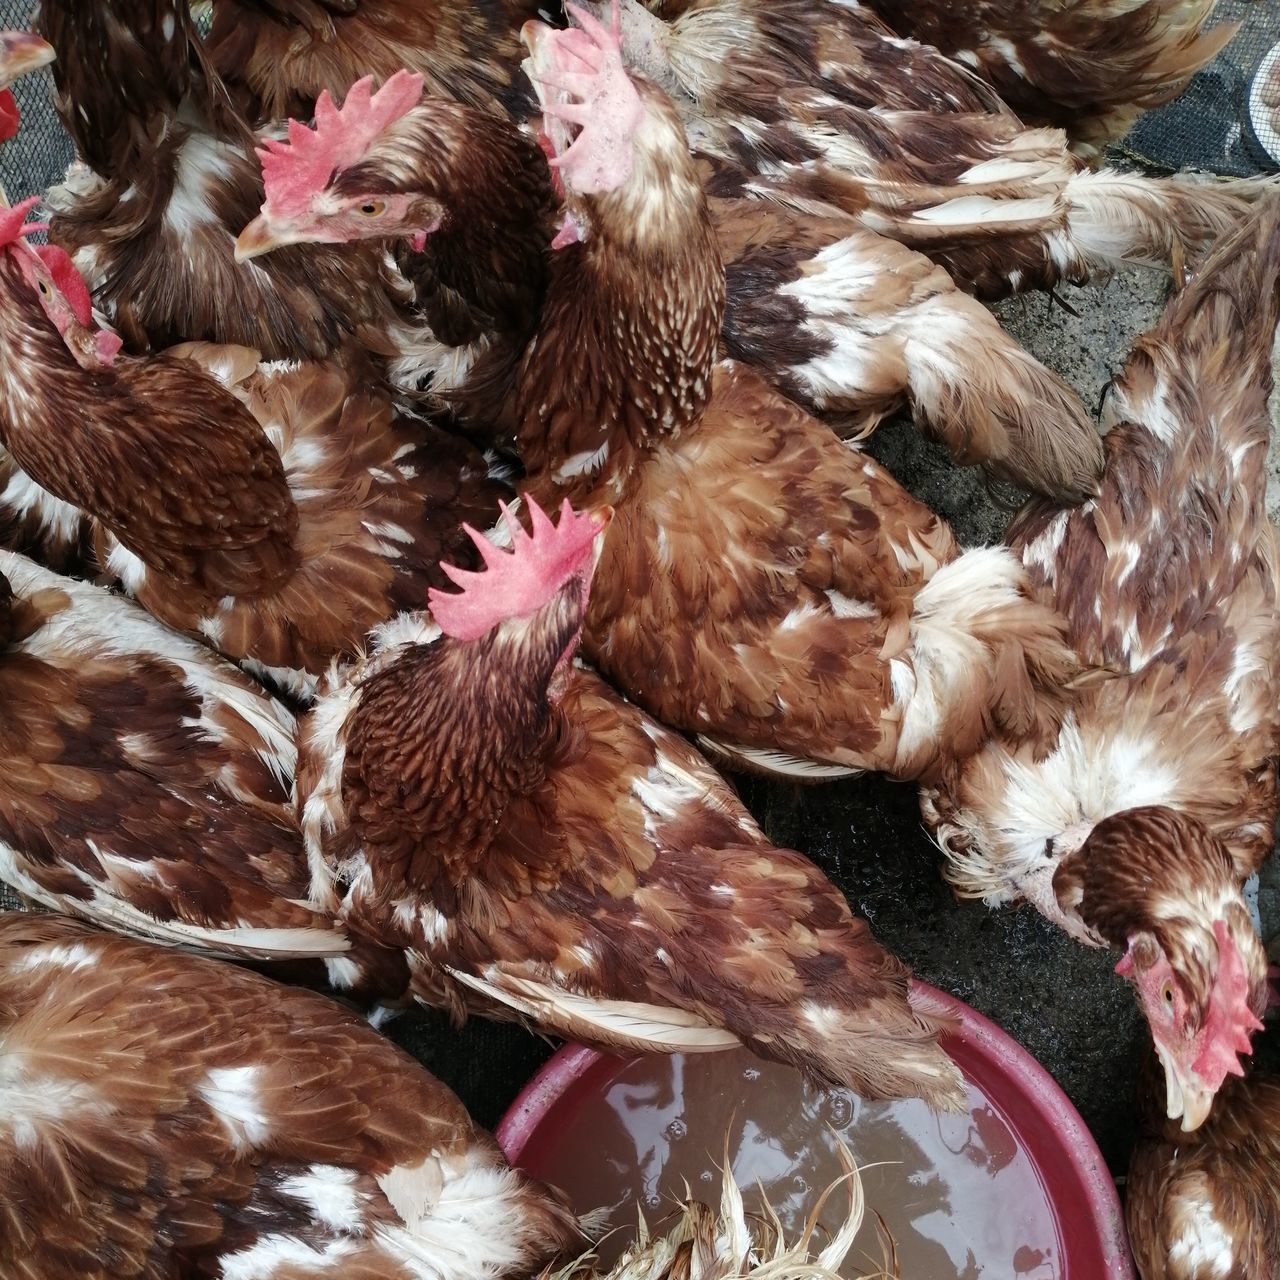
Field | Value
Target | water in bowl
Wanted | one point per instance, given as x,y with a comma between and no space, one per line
960,1199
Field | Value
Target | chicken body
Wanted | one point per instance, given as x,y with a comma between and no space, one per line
763,584
166,1115
800,95
1087,66
146,782
1158,797
1206,1205
546,852
283,509
278,56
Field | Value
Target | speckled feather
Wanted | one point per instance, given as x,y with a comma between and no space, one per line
167,1115
1168,581
277,58
1087,66
380,500
762,583
549,853
145,781
1001,206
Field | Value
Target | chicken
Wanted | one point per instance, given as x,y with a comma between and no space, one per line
837,316
810,99
732,1244
546,852
428,171
1138,826
171,171
1206,1205
278,56
21,52
31,520
1087,66
763,585
167,1115
145,785
277,510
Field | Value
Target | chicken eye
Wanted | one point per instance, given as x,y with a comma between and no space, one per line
44,288
1166,993
373,208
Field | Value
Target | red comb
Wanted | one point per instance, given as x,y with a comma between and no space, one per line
1229,1019
294,171
13,220
9,117
515,583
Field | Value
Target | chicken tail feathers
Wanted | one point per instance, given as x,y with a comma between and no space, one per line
983,656
988,401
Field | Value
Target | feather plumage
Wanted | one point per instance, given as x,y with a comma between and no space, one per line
165,1114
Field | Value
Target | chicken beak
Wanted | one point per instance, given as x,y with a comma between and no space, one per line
22,52
261,237
1183,1100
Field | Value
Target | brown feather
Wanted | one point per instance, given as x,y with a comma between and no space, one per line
165,1113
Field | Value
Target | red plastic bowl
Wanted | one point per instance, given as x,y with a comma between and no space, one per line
1077,1184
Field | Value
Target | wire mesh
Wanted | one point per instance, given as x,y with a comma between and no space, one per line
1222,122
39,155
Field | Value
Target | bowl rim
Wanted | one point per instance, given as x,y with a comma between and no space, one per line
1054,1109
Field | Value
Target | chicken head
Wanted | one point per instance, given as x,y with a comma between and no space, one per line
1158,883
608,133
314,186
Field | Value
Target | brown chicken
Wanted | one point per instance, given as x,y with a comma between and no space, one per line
812,99
1087,66
1206,1205
170,177
145,785
1136,826
763,584
424,173
277,510
546,852
836,315
21,52
164,1115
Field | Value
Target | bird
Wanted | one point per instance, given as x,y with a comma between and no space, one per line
1136,827
166,176
544,852
147,788
277,509
815,102
21,52
277,56
1090,67
835,315
1204,1204
763,584
170,1115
